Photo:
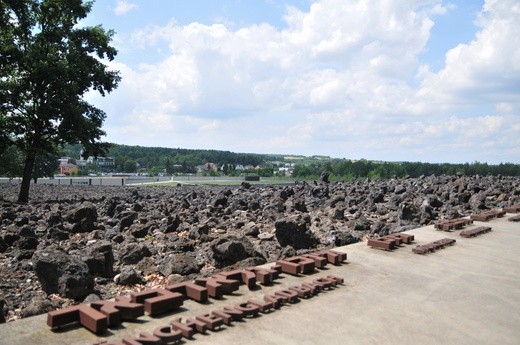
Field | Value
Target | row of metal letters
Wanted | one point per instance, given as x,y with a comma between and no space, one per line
176,329
103,314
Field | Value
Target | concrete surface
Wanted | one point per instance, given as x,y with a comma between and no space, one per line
465,294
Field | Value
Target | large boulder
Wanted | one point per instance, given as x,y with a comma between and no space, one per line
132,253
231,249
324,177
295,232
179,263
3,245
360,223
55,233
127,218
28,243
407,212
63,274
478,202
100,259
172,223
84,217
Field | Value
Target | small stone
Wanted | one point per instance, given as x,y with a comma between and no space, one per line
265,236
37,306
128,276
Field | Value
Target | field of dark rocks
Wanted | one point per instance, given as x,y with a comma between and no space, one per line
81,243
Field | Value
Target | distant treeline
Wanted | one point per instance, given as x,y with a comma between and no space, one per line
130,158
154,160
186,160
343,169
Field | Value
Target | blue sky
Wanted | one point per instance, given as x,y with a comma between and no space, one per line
418,80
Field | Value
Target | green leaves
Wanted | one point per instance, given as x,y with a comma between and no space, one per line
47,65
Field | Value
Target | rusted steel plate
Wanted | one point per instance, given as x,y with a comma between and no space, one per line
433,246
475,232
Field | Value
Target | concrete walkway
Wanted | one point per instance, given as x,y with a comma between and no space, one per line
465,294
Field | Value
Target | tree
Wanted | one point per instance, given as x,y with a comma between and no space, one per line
45,165
91,168
5,141
47,64
169,166
130,166
11,162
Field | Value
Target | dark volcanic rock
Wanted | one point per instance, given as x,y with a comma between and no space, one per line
407,212
100,259
127,218
478,202
54,219
2,316
8,214
91,298
21,221
360,224
138,230
295,232
199,232
3,245
37,306
179,263
132,253
61,273
229,250
191,230
172,224
27,243
10,236
84,217
57,234
128,276
250,229
324,177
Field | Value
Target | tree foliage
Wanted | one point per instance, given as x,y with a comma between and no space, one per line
185,160
344,169
45,165
182,160
11,162
47,64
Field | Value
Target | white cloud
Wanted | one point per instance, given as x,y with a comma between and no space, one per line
344,79
488,68
123,7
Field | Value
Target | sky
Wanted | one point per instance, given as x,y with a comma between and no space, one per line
417,80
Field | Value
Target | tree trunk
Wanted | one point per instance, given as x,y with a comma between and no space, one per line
23,196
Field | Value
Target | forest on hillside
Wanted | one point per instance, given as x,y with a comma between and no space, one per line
170,161
344,169
130,159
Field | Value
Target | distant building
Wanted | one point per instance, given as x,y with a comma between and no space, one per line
105,164
287,170
63,160
81,163
207,167
68,168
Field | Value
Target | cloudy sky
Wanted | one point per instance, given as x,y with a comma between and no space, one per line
415,80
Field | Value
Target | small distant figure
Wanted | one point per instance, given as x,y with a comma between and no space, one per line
324,177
